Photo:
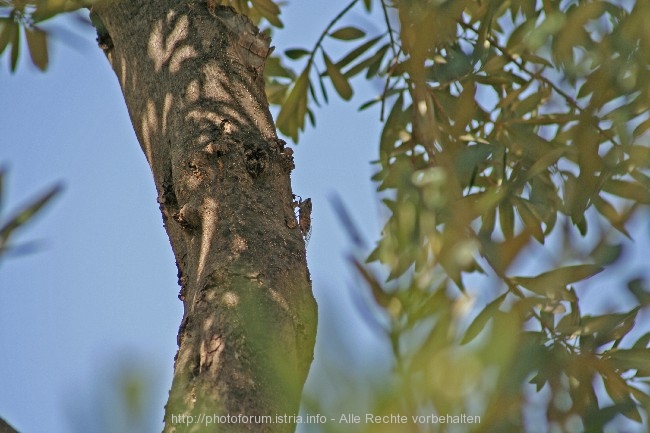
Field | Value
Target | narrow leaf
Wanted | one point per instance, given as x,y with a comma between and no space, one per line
642,343
37,44
607,210
372,64
629,190
376,289
348,33
552,281
296,53
291,118
274,68
608,327
267,5
619,391
339,81
478,324
355,53
545,161
637,287
7,26
323,89
15,47
507,219
630,359
25,214
375,64
530,220
269,10
2,179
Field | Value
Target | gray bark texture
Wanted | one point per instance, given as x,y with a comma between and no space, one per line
192,77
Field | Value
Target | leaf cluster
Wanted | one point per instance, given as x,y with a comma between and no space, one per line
24,17
510,127
295,92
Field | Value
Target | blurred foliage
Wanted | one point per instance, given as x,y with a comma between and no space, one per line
123,395
510,128
10,224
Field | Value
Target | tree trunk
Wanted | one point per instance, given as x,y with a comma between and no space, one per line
191,74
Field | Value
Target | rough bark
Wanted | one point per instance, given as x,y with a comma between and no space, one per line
191,75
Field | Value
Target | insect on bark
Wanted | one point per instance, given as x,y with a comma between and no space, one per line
304,217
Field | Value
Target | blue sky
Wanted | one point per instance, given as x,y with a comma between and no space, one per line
99,298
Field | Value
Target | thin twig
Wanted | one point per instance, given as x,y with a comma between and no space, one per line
327,29
389,27
537,75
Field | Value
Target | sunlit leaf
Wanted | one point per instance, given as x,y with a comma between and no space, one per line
291,118
268,5
269,10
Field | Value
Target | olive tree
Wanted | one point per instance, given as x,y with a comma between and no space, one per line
512,161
